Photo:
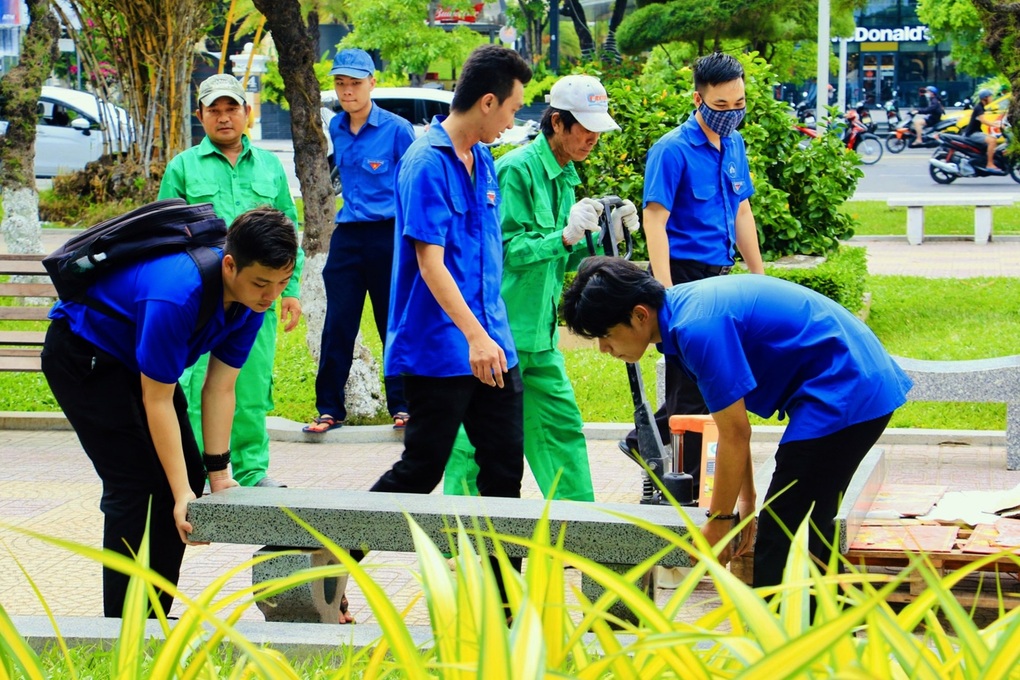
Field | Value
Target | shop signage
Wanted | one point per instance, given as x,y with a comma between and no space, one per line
903,34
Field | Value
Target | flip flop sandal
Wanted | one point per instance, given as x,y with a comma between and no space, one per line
345,617
400,420
323,424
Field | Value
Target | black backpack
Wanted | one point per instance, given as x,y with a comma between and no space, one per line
158,228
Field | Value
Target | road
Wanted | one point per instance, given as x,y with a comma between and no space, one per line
907,173
896,174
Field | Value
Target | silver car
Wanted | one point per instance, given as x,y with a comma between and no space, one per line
70,130
417,105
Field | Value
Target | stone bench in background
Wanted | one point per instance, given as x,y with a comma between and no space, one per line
982,212
979,380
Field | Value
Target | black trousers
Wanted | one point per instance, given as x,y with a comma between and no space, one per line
682,394
102,399
819,471
493,419
360,261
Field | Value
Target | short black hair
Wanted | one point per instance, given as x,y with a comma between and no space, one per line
715,69
546,124
263,235
604,295
489,69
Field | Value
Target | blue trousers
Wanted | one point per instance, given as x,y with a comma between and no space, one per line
360,261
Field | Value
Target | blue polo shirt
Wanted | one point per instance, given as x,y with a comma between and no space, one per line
701,187
440,204
780,347
367,162
162,297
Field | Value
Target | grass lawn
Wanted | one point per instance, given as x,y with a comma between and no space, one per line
909,315
878,219
914,317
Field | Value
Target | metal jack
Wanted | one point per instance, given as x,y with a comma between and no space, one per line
664,472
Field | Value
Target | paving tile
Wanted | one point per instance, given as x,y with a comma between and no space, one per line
47,484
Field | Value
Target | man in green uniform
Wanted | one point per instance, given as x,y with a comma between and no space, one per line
543,236
227,171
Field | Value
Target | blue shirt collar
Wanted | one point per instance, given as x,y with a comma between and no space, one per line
373,118
666,346
698,136
437,134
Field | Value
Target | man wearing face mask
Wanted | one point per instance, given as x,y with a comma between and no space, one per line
697,213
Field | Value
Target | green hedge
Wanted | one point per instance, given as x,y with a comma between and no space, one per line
841,277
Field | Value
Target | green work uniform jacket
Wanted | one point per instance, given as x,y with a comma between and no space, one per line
202,174
537,195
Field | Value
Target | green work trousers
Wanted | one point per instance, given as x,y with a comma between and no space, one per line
249,439
553,436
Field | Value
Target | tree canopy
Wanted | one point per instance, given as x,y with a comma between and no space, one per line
958,23
762,25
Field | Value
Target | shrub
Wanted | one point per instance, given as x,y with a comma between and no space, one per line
105,188
841,277
798,190
765,633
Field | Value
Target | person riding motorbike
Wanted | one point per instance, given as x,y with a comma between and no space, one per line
974,131
927,116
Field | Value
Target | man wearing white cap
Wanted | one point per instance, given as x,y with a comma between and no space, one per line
226,170
543,236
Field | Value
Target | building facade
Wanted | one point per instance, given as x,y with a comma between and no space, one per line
890,53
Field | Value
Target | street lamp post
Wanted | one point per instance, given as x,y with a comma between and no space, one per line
822,74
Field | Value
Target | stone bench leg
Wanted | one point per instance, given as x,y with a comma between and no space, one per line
982,224
915,224
1012,436
594,590
313,602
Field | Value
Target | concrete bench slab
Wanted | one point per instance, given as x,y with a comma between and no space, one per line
376,521
362,519
982,212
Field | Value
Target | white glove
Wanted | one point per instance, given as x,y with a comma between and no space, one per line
625,216
584,216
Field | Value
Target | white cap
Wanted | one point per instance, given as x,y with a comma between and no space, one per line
584,97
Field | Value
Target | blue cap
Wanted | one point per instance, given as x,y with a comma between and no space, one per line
354,63
932,89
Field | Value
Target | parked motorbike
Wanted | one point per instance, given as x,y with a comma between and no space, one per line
855,136
903,135
864,116
892,113
960,156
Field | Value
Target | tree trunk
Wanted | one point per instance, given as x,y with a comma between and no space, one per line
584,36
19,97
297,44
619,9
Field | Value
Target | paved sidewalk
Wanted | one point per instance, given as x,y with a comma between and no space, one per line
48,485
937,257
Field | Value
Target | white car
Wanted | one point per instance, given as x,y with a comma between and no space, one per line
69,133
417,105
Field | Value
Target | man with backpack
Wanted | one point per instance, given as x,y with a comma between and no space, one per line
113,360
227,171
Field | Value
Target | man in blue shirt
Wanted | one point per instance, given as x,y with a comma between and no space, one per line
762,345
368,141
115,377
698,212
448,332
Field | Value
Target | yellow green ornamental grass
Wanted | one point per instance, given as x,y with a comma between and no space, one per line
750,634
